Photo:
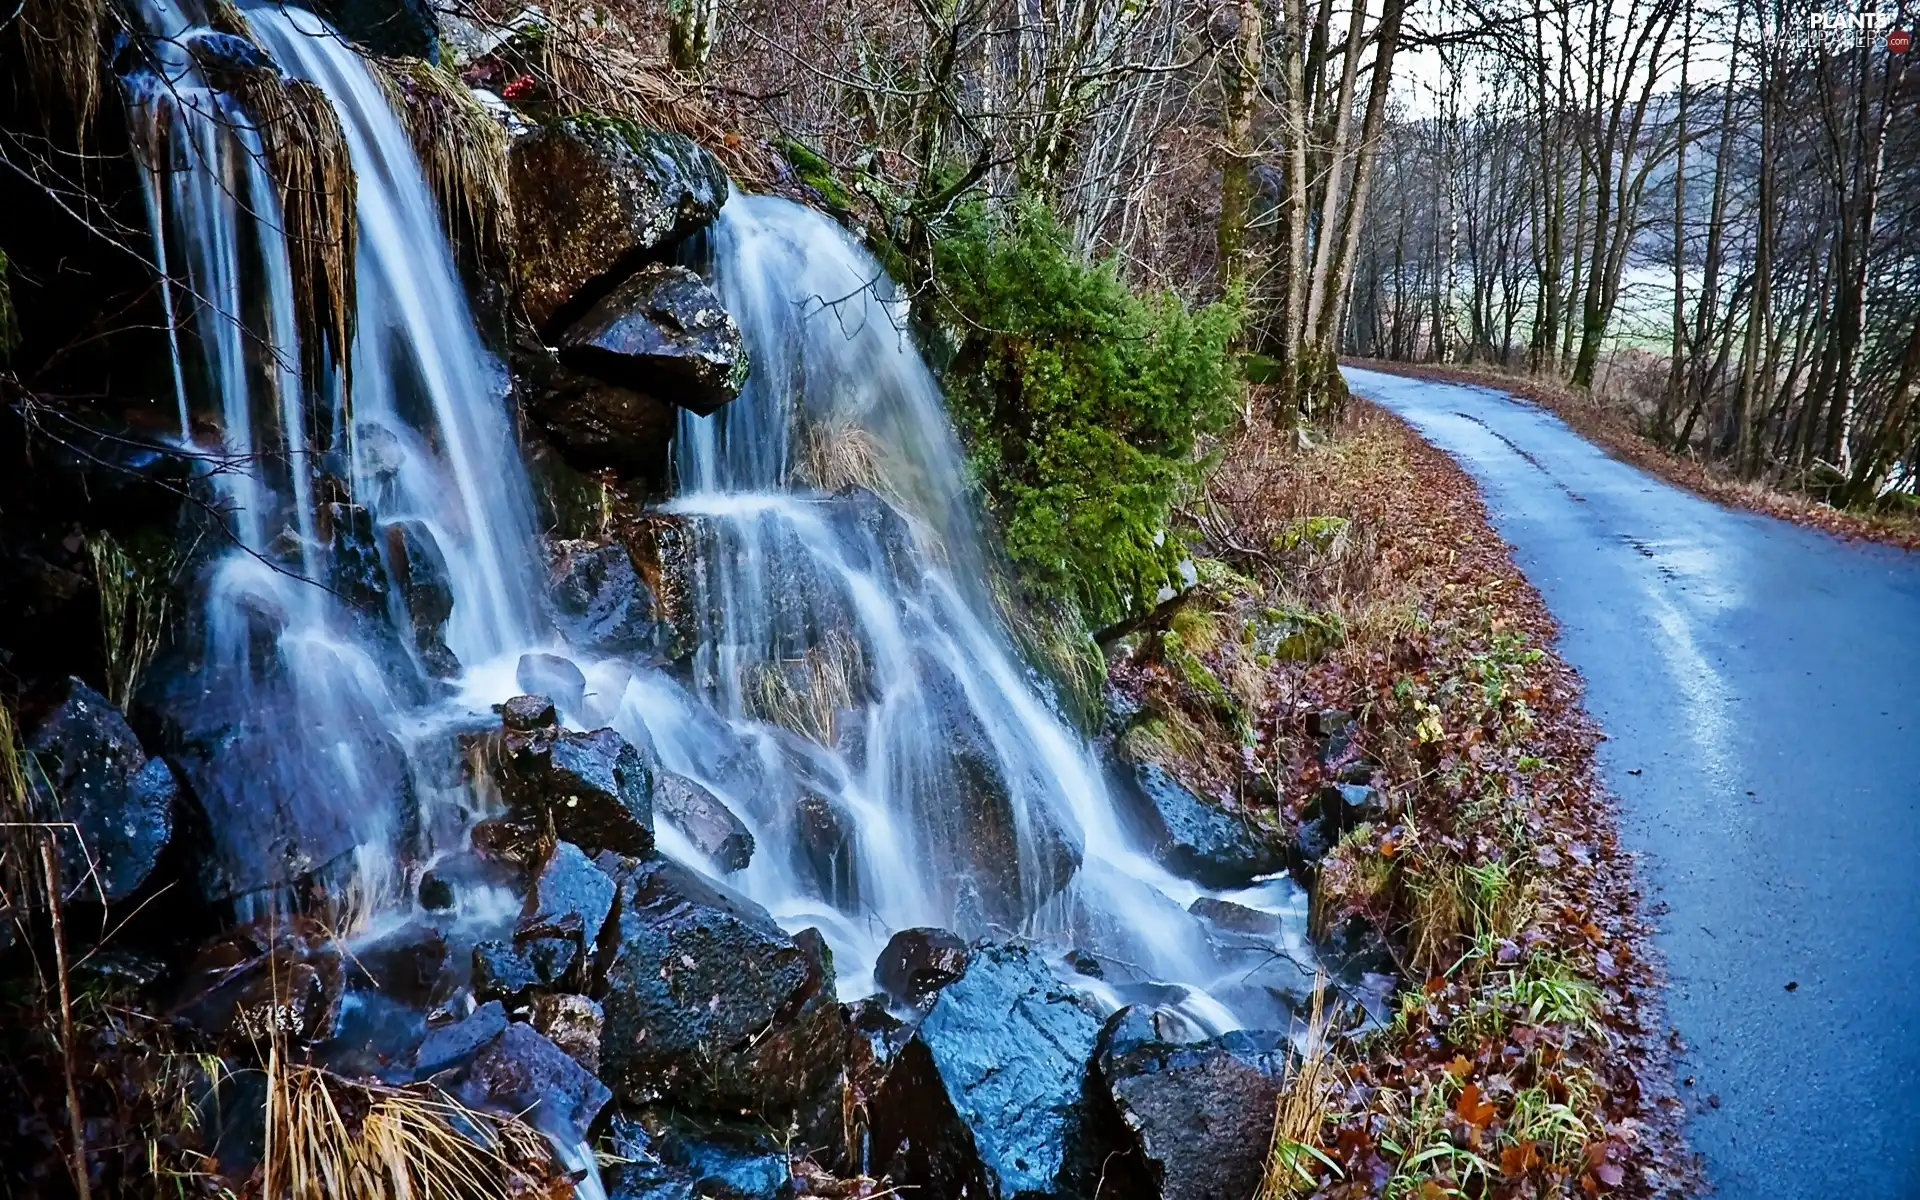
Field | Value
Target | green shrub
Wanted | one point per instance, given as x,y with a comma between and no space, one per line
1080,402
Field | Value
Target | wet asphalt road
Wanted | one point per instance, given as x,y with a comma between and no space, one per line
1759,684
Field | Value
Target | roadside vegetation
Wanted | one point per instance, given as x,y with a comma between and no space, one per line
1358,618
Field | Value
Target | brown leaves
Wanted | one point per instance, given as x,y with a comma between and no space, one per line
1472,1108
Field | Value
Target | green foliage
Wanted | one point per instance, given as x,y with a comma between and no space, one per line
1080,402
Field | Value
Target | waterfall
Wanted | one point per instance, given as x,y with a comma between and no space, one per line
854,694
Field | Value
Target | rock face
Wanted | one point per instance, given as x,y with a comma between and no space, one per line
595,197
573,1023
419,573
119,800
1202,840
595,787
709,824
600,602
708,1001
389,27
919,962
664,333
599,427
1201,1112
989,1099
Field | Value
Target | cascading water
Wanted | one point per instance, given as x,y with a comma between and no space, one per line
852,693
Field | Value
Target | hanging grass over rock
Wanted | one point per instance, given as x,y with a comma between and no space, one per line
463,149
1080,402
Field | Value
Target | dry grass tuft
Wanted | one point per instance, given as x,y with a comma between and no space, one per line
808,694
834,456
133,614
1294,1158
306,153
328,1137
60,42
463,149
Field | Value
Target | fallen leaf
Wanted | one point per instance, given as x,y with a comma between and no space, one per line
1609,1174
1472,1109
1460,1067
1518,1160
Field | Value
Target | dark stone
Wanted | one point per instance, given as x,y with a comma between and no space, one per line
824,842
254,982
919,962
450,1045
1201,840
990,1097
119,802
1237,918
600,602
573,1023
673,1156
593,199
594,787
597,426
224,59
570,899
396,28
527,714
1086,964
436,894
552,675
356,568
407,966
662,333
1345,805
425,587
1202,1112
709,1001
709,824
552,958
520,1071
877,536
504,973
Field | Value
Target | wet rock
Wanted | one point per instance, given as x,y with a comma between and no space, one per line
407,966
452,1044
1202,1112
595,787
552,958
503,972
119,802
356,569
709,824
528,714
520,1071
390,27
709,1001
919,962
555,676
253,982
662,333
597,426
594,198
879,538
600,601
673,1156
989,1099
570,899
224,59
978,819
425,587
1201,840
436,894
1236,918
1346,805
824,840
573,1023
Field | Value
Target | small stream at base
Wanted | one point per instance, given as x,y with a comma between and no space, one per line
957,796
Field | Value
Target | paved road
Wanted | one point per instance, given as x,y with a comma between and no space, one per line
1759,684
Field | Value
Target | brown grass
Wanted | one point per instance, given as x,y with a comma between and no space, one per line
463,150
1295,1160
60,43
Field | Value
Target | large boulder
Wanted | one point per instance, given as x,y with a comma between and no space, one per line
117,802
597,426
707,822
519,1071
1201,1112
1201,840
571,898
709,1002
600,602
595,787
664,333
916,963
594,198
990,1098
